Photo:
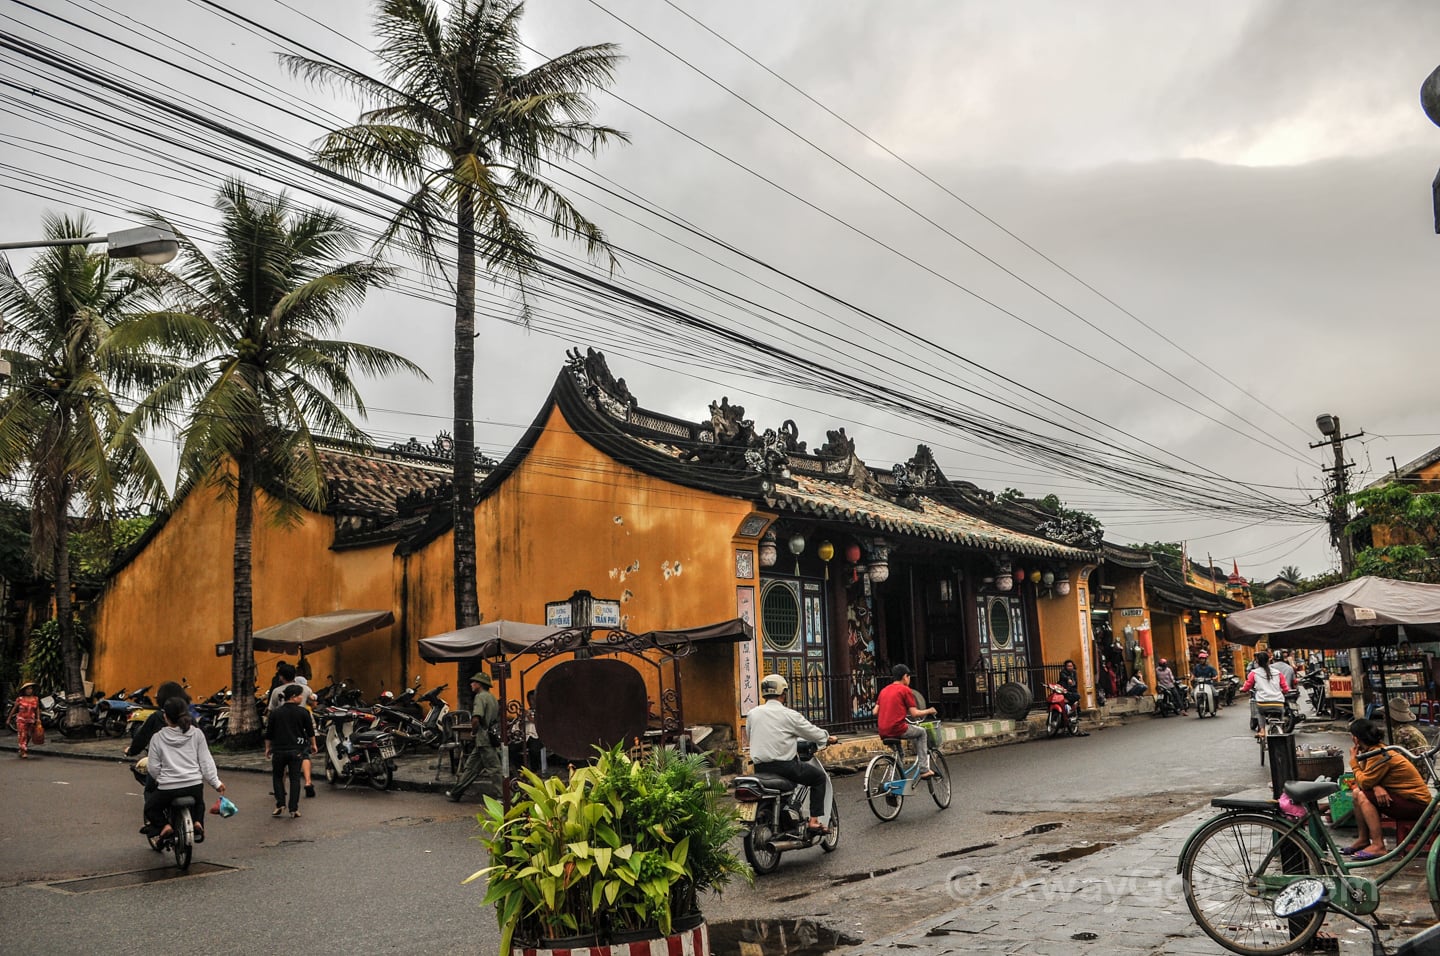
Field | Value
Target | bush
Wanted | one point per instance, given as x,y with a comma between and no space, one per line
624,845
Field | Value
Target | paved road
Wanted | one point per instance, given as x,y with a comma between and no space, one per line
381,871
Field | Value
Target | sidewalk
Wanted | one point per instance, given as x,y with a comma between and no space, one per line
412,771
1124,900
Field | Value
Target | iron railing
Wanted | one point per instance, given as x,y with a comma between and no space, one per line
846,704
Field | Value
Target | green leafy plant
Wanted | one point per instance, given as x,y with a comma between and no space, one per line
624,845
44,662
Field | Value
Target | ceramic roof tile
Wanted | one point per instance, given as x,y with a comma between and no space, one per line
936,520
369,483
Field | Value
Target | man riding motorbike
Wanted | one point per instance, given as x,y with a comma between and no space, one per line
774,731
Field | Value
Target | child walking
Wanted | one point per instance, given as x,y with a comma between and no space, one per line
26,711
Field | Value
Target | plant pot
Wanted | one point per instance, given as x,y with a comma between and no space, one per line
688,942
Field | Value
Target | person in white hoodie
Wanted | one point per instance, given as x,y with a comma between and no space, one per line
179,761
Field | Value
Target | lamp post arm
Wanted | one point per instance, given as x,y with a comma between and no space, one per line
48,243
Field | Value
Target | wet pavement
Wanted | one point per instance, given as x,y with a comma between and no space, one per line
1086,896
1116,899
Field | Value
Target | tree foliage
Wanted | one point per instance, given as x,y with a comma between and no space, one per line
1407,518
62,328
263,377
458,119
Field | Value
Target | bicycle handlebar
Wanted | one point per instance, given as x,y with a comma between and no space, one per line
1432,753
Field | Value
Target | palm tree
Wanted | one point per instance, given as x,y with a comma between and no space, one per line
1290,573
467,129
60,419
259,382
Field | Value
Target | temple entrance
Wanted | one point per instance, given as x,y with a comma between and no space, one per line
793,623
1004,644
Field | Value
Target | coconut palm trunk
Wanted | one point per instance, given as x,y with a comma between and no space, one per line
244,719
77,717
467,605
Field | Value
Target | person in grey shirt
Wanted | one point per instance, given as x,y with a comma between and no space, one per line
775,731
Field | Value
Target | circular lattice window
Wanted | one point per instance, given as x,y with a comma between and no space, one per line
780,617
999,623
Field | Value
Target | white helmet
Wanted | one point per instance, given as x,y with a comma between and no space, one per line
773,685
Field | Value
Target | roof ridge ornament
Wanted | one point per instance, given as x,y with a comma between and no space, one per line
729,439
918,474
603,390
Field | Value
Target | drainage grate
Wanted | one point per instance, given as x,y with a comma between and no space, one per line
92,884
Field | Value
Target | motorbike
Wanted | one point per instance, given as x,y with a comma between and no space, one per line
353,751
1063,714
1227,688
412,731
1205,699
775,813
1317,686
212,715
1293,715
1169,704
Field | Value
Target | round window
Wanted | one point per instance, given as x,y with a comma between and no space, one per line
780,617
999,622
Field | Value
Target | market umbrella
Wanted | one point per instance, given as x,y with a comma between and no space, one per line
1364,611
312,632
492,639
1355,613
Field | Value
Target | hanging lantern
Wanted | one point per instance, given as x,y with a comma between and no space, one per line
1035,576
797,548
1019,575
1004,582
1048,578
769,551
826,552
1062,586
852,553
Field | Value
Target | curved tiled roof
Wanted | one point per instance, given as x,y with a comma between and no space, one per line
932,519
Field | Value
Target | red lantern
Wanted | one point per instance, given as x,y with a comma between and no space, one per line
852,553
1019,575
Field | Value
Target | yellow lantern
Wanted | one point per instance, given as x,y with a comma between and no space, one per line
826,552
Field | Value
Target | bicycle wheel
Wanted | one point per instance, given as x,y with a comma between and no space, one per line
882,771
940,783
1222,886
183,840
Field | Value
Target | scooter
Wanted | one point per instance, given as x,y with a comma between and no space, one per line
1063,714
1227,688
1205,701
355,753
1317,686
1293,715
775,813
1168,703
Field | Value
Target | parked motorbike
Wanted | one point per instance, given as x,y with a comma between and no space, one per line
1293,715
1063,714
775,813
353,751
212,715
412,731
1205,699
1316,684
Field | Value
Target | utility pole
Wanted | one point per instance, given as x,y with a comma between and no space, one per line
1329,426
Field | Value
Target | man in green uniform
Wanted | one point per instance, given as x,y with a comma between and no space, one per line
485,756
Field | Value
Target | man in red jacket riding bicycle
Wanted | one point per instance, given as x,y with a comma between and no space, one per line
896,702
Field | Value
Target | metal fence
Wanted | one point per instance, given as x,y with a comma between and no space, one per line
846,704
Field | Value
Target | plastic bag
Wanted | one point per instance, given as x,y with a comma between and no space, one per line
37,733
224,807
1290,808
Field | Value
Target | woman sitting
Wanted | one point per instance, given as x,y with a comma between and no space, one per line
1384,783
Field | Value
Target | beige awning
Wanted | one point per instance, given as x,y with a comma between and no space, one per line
1367,610
307,634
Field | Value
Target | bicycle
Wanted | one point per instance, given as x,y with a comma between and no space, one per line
1235,865
1271,722
888,781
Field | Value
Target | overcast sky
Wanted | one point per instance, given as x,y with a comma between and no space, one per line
1238,194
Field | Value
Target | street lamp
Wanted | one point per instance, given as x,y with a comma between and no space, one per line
146,243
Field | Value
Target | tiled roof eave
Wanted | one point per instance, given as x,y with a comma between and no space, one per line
1012,542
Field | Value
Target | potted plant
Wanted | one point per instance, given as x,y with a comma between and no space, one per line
620,852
